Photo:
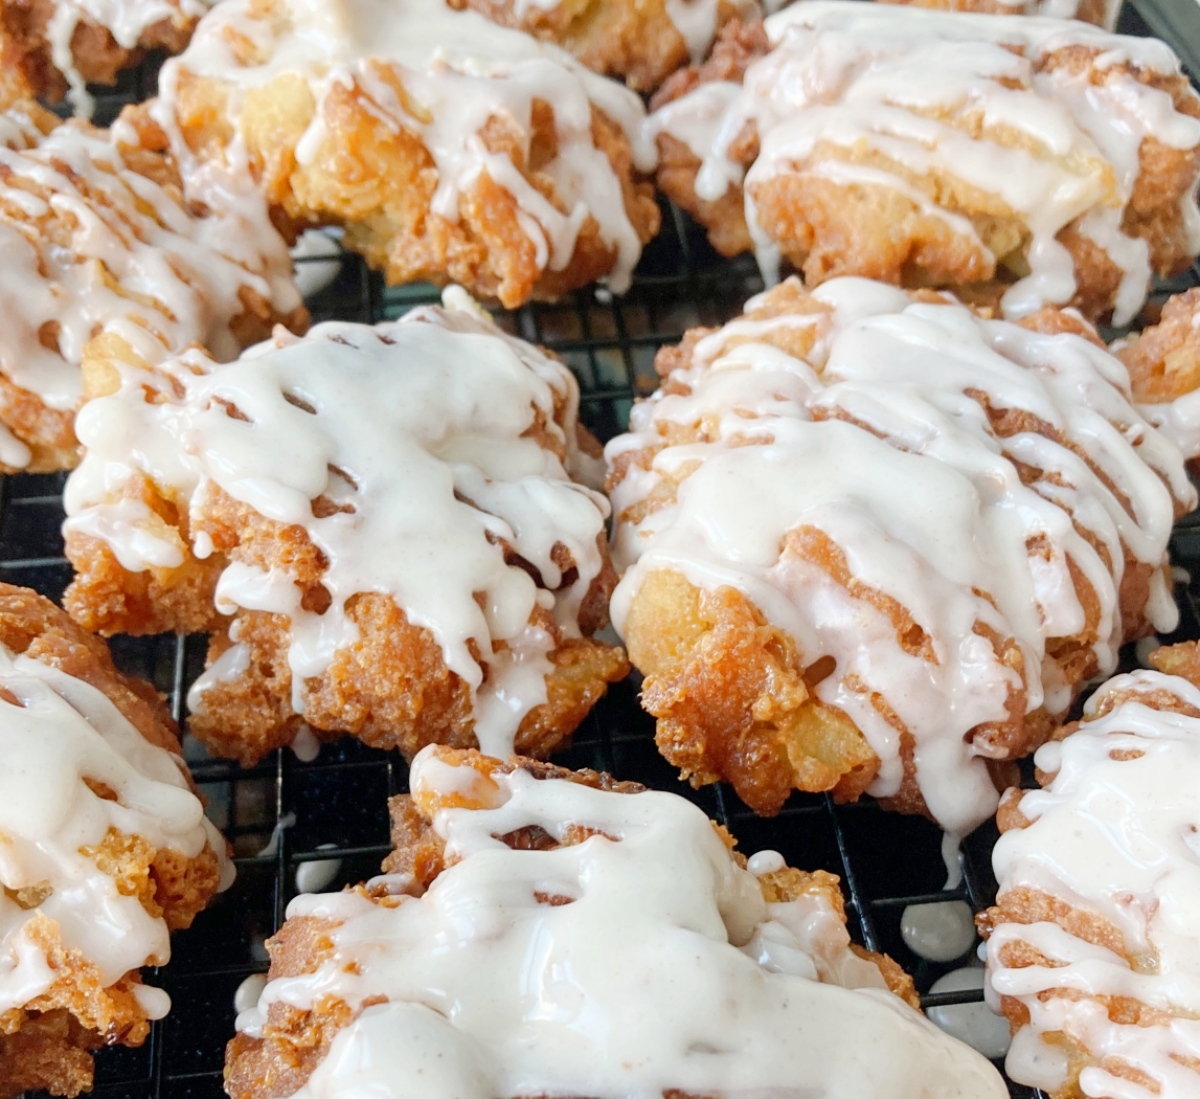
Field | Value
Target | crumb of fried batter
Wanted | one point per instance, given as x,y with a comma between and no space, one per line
294,1041
68,311
503,231
633,40
395,677
1164,359
46,1042
733,697
844,207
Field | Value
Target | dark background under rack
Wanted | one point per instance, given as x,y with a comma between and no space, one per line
334,807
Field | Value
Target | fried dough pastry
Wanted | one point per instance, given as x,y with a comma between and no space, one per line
581,936
105,849
1164,368
1019,161
640,41
1091,947
450,149
380,528
874,541
98,246
55,48
1103,13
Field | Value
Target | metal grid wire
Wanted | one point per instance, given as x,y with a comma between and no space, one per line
331,811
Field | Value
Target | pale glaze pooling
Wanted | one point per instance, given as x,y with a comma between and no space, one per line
927,503
666,969
423,432
877,77
458,71
127,257
1116,838
59,739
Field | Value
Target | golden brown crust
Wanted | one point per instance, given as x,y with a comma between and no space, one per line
49,433
294,1042
634,40
827,228
1025,905
378,182
391,689
1182,660
1164,359
733,696
47,1042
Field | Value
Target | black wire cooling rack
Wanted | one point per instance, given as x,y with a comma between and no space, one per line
330,815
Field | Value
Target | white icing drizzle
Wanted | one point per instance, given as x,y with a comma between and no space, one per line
416,430
248,992
59,732
459,71
317,259
1116,838
938,932
1179,421
975,1023
665,969
696,21
134,262
927,505
312,877
875,77
125,20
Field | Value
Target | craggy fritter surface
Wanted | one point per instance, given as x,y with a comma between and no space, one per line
825,229
390,689
1089,11
49,432
47,1043
1027,905
732,695
25,46
294,1042
1164,359
634,40
378,181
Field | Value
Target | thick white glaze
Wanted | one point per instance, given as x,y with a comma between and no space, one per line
58,740
458,71
666,969
1116,838
125,257
973,1023
927,504
417,430
877,77
940,932
125,20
